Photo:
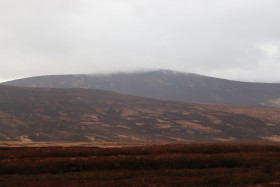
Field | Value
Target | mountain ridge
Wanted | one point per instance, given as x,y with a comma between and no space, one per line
166,85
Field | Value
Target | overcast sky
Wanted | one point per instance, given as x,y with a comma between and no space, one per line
233,39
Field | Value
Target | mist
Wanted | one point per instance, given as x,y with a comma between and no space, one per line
232,39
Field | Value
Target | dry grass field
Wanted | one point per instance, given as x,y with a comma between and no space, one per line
81,115
4,144
139,164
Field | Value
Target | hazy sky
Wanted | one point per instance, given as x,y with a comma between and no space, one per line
233,39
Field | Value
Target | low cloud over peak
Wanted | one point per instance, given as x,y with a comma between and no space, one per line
231,39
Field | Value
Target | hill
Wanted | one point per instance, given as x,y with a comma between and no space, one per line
44,114
167,85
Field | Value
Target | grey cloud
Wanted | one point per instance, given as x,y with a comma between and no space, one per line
224,38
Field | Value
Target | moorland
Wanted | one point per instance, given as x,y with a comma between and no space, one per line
192,130
75,114
208,164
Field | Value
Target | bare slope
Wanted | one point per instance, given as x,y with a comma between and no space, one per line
167,85
43,114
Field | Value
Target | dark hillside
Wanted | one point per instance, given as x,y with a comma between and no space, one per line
44,114
167,85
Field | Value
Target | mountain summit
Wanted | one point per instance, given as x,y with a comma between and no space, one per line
166,85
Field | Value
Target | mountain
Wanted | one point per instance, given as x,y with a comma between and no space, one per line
167,85
45,114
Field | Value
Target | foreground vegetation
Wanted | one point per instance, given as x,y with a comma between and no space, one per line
157,165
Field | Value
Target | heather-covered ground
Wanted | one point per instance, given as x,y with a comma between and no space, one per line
85,115
151,165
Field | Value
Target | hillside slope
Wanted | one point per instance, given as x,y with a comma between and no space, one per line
43,114
167,85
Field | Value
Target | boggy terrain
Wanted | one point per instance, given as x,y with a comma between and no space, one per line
43,114
154,165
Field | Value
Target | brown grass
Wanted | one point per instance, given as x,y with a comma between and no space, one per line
152,165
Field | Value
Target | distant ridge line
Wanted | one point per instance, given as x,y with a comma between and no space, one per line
166,85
